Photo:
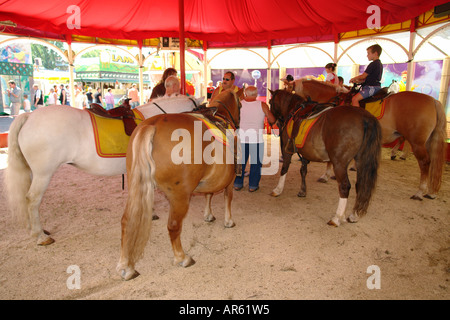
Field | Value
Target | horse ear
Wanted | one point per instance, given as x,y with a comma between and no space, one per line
271,92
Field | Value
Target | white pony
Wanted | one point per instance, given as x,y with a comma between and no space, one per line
41,141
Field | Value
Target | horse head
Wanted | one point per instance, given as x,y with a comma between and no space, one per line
284,103
228,106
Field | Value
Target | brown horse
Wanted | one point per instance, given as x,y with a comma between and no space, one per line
157,158
339,135
415,117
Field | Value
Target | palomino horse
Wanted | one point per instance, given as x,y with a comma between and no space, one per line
153,160
41,141
416,117
339,135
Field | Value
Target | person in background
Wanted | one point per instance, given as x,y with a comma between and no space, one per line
371,77
332,77
26,103
159,90
133,94
172,86
62,96
147,94
209,90
253,113
38,100
52,97
288,83
15,97
89,96
227,83
68,97
98,97
109,99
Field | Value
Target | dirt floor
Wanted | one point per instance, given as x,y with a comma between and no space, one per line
280,248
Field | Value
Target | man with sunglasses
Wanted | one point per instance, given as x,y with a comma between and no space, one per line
227,83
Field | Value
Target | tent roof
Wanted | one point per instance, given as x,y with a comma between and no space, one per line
217,23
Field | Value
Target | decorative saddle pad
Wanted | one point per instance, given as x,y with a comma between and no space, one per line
213,129
303,131
111,141
376,108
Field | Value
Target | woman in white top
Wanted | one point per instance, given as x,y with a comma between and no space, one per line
251,135
51,97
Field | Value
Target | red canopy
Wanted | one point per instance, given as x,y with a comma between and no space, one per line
218,23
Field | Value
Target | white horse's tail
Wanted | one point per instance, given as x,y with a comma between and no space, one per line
137,218
18,174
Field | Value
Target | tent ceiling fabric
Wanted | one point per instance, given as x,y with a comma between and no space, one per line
225,23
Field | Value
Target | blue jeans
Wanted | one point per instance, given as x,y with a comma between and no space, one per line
256,153
109,106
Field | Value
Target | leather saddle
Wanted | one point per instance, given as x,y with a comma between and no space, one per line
380,95
122,112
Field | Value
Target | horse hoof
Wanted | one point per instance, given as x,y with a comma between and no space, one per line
230,224
352,219
301,194
323,180
430,196
46,232
274,194
332,223
393,157
129,274
402,158
210,218
46,242
187,262
415,197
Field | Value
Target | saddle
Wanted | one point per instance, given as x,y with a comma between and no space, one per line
382,94
122,112
210,114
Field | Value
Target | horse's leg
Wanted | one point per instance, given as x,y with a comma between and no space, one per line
208,216
228,198
284,169
340,172
396,147
423,158
406,150
34,198
324,178
179,206
303,172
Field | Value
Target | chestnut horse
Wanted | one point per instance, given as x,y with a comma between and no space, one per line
339,135
153,160
415,117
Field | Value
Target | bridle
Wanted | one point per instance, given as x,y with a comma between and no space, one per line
235,125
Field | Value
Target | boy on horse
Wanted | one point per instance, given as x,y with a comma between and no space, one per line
371,77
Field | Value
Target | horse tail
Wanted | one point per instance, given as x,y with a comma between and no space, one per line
18,175
436,150
137,218
367,163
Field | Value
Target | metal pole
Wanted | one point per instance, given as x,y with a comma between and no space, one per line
182,42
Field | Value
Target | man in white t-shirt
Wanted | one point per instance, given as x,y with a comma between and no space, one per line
251,130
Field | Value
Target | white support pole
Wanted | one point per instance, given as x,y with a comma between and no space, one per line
445,79
141,77
71,72
205,73
410,68
269,71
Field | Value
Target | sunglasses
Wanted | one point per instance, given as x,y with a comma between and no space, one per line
226,79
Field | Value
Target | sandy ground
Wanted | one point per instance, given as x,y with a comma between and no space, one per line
281,248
